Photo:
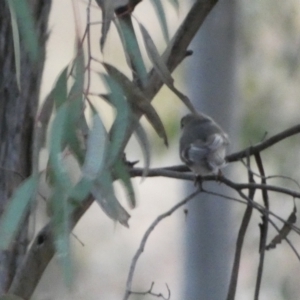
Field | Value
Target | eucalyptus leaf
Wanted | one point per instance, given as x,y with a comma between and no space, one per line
138,100
15,211
59,92
61,209
75,114
107,8
76,110
81,190
120,127
154,56
121,172
103,191
175,3
142,138
62,188
131,48
57,142
162,18
40,130
161,68
16,41
26,27
96,152
78,72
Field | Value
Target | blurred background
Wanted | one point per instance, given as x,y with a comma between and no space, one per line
245,73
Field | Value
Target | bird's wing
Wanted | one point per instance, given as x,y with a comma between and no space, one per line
212,151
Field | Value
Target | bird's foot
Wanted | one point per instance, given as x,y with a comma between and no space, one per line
219,175
198,181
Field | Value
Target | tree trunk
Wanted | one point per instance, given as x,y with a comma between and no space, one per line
211,82
17,114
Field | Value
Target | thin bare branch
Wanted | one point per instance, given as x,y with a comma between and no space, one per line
167,172
260,209
150,292
265,144
263,226
141,248
238,156
240,238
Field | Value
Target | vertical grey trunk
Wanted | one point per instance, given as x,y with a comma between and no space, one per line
211,84
17,113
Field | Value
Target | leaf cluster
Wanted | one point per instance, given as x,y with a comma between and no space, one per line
63,127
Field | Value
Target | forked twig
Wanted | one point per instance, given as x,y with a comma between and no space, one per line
150,292
143,242
240,238
264,226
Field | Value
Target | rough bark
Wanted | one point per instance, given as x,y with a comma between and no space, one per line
17,113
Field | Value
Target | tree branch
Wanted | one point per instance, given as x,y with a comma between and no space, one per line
264,145
177,49
165,172
240,238
263,227
39,255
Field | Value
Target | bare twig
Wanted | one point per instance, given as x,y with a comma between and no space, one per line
167,172
145,238
263,226
260,209
265,144
150,292
240,238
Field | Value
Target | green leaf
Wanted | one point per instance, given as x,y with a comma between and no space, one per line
76,116
103,191
57,144
78,74
15,211
175,3
107,7
26,27
121,171
61,228
62,188
162,18
131,48
138,100
59,92
153,54
161,68
120,127
40,130
73,121
58,95
96,152
16,41
141,137
81,190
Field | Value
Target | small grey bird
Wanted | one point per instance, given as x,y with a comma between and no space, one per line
202,144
